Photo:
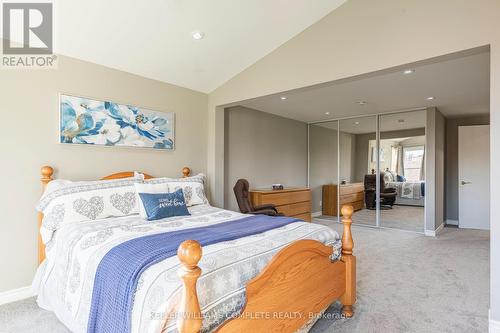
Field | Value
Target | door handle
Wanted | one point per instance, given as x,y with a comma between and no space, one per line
463,182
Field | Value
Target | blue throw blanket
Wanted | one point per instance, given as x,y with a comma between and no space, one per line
119,270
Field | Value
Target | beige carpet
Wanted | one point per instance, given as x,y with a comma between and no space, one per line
406,283
399,217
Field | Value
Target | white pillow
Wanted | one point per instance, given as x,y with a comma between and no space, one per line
148,188
69,202
192,187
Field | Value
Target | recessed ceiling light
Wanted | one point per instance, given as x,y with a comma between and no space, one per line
327,113
356,123
283,98
361,102
409,71
430,98
197,35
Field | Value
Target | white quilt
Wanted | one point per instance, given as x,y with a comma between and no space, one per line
64,281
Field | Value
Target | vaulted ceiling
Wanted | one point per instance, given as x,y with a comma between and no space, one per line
154,38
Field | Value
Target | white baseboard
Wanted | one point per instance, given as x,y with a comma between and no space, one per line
316,214
494,326
433,233
430,233
14,295
452,222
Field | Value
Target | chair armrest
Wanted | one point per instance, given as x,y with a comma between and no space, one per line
389,190
270,212
268,206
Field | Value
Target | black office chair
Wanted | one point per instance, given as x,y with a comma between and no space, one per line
387,195
241,192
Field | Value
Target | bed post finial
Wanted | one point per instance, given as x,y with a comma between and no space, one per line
186,172
189,314
47,173
349,297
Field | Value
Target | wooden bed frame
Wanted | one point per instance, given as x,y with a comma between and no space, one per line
297,284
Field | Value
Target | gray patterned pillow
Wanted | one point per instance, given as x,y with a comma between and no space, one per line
68,202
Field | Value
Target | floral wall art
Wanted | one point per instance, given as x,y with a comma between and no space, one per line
93,122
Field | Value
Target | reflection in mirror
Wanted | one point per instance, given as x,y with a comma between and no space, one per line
402,167
323,171
358,160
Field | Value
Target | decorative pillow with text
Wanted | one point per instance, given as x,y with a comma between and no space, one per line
162,205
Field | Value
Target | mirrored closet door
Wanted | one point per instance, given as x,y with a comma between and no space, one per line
402,170
357,163
374,163
323,170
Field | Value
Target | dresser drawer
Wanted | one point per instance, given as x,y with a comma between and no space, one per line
350,189
358,205
295,208
285,198
347,198
295,202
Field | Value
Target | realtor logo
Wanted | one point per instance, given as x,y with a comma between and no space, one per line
27,35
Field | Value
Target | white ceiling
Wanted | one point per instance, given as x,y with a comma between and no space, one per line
389,122
460,87
402,121
153,38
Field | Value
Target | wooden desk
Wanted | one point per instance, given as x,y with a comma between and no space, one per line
294,202
352,193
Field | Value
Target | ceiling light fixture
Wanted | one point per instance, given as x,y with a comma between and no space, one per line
430,98
283,98
356,123
361,102
197,35
327,113
408,71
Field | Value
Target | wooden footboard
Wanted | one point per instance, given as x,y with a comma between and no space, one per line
298,283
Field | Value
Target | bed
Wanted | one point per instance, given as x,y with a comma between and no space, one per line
279,278
409,193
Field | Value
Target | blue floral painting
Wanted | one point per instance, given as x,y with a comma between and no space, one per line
88,121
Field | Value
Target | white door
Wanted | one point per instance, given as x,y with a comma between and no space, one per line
474,177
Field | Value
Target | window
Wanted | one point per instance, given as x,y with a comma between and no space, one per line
412,163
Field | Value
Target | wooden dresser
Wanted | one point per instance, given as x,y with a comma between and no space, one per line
353,194
294,202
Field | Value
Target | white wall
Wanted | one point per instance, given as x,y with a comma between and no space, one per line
367,36
29,140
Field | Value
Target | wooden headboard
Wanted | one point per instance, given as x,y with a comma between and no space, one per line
47,173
